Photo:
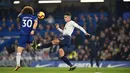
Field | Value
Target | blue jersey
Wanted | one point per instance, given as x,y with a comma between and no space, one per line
26,23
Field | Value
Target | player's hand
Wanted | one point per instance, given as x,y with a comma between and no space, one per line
87,34
57,26
32,32
55,42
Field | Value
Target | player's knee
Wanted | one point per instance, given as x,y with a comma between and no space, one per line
61,52
20,49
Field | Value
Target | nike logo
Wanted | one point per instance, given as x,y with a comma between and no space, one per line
46,65
112,66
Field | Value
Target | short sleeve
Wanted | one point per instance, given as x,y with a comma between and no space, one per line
35,18
75,24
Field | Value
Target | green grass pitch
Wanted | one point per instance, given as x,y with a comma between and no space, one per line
64,70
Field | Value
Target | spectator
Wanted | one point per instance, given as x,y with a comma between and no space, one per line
102,23
76,19
102,39
73,39
104,54
82,20
78,39
89,19
0,28
125,53
94,48
3,20
50,19
52,35
85,57
10,24
127,29
9,29
4,23
120,20
96,18
48,27
86,42
113,20
81,54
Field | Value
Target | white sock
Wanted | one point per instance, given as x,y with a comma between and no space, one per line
18,57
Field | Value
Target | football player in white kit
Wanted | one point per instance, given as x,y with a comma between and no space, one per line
65,41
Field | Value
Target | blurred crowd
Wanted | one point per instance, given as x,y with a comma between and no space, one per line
112,39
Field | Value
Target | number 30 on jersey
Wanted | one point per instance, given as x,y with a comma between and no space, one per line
27,23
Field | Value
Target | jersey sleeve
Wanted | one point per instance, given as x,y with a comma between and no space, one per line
35,18
78,27
60,30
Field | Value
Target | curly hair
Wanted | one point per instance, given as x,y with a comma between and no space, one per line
27,10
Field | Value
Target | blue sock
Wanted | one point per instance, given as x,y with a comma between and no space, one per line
66,61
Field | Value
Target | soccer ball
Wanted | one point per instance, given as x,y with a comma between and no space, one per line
41,15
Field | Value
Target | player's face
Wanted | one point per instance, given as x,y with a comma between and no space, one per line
66,18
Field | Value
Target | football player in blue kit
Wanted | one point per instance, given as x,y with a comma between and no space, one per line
27,28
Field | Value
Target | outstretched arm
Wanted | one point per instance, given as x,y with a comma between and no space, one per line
58,28
81,28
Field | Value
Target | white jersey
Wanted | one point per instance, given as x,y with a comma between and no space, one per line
69,28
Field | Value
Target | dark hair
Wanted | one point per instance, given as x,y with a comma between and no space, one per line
68,14
27,10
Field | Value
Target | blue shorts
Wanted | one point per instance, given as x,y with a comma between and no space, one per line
24,39
65,44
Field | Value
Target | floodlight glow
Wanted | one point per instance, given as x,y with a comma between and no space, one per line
91,0
126,0
54,1
16,2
